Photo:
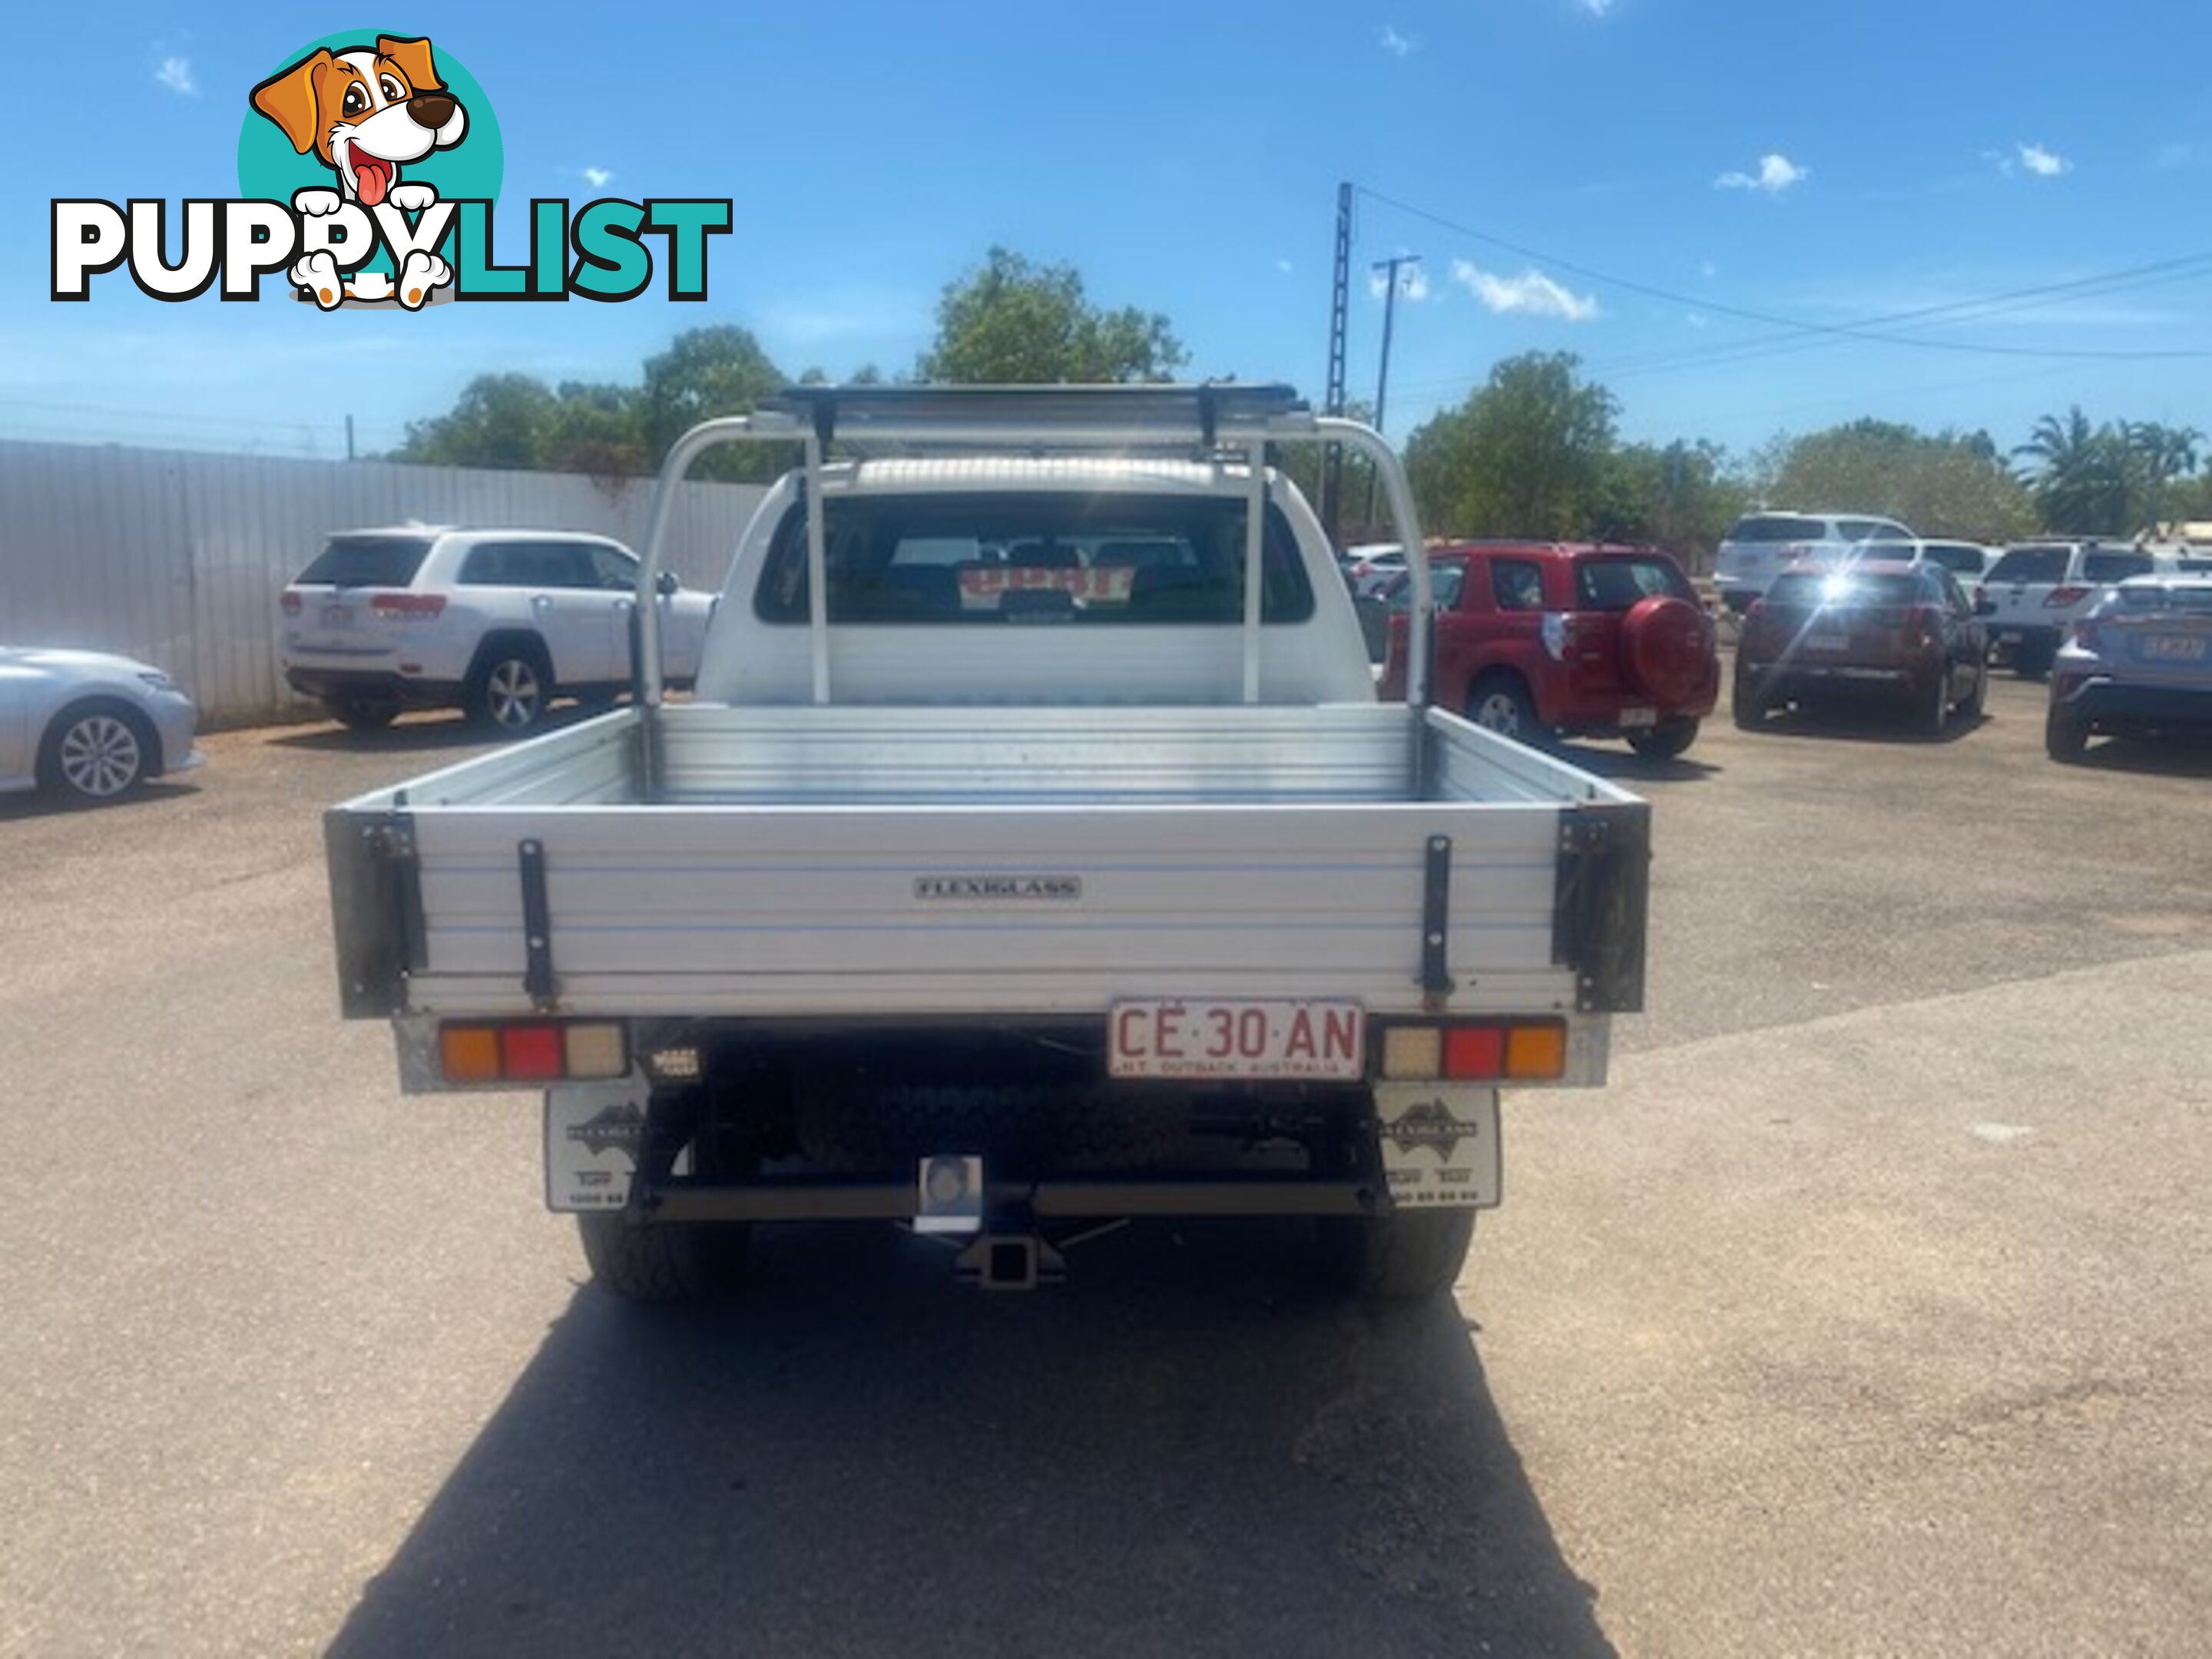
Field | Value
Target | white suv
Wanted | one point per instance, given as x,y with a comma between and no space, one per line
497,623
1760,546
2037,590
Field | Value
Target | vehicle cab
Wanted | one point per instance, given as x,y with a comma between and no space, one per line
1537,638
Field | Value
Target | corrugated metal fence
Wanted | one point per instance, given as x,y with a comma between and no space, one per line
177,557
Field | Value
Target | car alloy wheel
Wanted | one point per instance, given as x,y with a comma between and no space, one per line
100,757
513,694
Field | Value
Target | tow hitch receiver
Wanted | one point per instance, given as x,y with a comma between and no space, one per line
1010,1262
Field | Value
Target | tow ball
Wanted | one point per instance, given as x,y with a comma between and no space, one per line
1000,1248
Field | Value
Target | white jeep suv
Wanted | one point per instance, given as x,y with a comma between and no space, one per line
1760,546
497,623
2038,590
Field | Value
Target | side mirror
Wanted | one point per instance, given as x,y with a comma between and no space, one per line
666,585
1985,607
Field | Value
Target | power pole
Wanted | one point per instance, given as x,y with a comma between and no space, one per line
1340,311
348,437
1382,376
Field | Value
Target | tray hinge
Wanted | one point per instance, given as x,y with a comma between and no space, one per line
536,928
1436,920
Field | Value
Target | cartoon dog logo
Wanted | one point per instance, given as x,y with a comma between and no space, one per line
366,113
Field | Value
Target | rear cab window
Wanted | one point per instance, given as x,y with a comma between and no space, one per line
1034,557
530,564
2032,564
1767,527
367,561
1810,590
1620,581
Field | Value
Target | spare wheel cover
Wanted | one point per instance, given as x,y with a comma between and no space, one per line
1662,649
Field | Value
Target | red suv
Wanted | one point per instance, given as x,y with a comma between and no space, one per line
1541,638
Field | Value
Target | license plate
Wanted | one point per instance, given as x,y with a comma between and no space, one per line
337,616
1170,1038
2174,647
1827,641
1639,717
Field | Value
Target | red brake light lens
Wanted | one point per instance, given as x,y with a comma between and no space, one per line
530,1053
293,603
1474,1051
2065,596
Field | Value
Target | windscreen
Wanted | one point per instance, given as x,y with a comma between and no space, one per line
369,561
1034,557
2187,598
1813,589
1446,579
1955,557
2116,567
1621,583
1777,527
2031,564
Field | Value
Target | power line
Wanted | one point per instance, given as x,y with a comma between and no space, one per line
1798,325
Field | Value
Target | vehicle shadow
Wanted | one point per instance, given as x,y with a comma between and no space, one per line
416,734
1182,1451
1628,766
1842,723
2172,757
41,804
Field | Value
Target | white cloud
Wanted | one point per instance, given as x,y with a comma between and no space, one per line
1532,292
1708,270
1596,8
1775,173
1283,265
598,178
1395,44
1696,320
2044,163
176,73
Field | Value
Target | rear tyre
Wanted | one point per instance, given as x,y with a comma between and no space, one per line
1747,707
2032,660
1500,702
1405,1256
511,687
97,752
1971,710
1934,713
663,1264
1665,740
2065,737
362,714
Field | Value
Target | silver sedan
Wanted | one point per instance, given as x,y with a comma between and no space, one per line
87,726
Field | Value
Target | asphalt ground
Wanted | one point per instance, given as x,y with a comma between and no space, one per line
1868,1310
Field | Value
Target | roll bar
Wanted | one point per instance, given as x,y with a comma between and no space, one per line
1028,421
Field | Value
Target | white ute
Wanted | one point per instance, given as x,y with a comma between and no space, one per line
1033,855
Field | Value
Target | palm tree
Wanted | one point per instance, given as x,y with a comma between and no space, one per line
2083,483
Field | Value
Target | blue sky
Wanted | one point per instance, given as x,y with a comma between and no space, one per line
1820,163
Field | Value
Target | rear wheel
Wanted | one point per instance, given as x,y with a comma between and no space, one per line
1499,702
1407,1255
1971,709
1665,740
2032,659
98,751
512,688
666,1263
1935,711
1745,704
2065,736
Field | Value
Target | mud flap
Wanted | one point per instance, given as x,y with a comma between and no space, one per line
1439,1144
592,1136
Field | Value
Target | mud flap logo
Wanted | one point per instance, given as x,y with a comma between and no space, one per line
1439,1146
1430,1124
617,1128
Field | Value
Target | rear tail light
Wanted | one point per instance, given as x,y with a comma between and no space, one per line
293,603
2088,634
534,1051
2062,597
1476,1051
1922,624
407,605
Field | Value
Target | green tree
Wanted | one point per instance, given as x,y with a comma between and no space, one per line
707,373
498,421
1683,497
1009,322
1525,455
1942,484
